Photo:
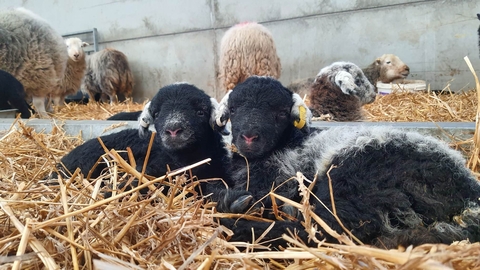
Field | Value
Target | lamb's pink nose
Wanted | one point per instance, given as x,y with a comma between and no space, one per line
173,133
249,140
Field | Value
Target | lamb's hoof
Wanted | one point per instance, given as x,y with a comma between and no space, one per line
291,211
241,204
235,201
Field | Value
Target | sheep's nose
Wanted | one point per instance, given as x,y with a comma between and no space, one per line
76,55
407,68
250,139
173,133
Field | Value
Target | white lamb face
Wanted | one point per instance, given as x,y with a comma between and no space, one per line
351,80
392,68
75,48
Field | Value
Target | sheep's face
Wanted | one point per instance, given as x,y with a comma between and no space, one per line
75,49
351,80
260,114
392,68
181,115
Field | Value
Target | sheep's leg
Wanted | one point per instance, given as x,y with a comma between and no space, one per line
113,99
91,96
39,104
104,98
59,100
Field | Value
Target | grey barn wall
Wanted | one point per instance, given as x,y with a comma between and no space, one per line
178,40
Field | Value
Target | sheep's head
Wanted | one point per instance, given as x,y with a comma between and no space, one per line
351,80
391,68
263,114
75,49
182,114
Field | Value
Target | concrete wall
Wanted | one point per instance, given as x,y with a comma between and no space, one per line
178,40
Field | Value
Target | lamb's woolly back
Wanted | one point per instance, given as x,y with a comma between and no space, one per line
412,189
322,147
247,49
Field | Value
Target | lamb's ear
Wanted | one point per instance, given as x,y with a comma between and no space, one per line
213,118
144,121
301,114
346,82
222,114
85,44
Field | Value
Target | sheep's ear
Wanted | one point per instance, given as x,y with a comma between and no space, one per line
144,121
301,114
222,114
213,119
85,44
346,82
378,61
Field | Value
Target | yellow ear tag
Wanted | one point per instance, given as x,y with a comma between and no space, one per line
303,115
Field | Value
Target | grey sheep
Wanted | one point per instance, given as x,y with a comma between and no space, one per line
108,73
340,90
33,52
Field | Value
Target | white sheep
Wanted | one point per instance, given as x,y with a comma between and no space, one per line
74,72
247,49
340,90
108,73
386,69
33,52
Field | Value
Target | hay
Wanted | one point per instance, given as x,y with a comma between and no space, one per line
402,106
94,110
69,225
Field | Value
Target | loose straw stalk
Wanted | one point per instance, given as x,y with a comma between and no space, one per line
474,158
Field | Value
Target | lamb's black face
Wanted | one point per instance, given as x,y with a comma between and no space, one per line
260,114
181,115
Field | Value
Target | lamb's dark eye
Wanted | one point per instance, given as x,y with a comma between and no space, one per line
200,113
358,82
282,115
388,62
231,110
156,114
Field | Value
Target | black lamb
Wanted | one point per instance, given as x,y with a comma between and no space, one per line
126,116
390,187
182,115
12,95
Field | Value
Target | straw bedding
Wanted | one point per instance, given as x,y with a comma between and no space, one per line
67,224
